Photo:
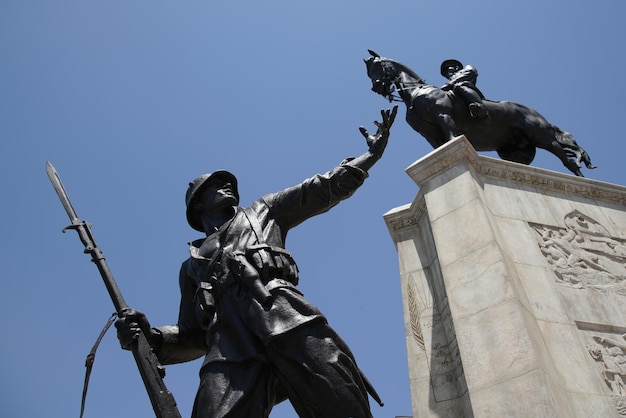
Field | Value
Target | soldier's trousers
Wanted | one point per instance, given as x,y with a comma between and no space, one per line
310,365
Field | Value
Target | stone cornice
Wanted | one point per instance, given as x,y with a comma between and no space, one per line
406,217
458,150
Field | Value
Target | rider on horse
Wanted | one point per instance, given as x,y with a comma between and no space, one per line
462,81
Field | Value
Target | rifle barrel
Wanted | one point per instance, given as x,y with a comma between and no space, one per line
151,371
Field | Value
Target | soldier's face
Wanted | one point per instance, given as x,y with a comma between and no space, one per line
451,70
217,194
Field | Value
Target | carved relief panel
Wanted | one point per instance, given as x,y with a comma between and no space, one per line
583,254
608,350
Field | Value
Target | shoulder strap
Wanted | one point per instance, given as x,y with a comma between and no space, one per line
255,224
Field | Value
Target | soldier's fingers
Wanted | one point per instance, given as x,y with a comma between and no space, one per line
363,131
392,116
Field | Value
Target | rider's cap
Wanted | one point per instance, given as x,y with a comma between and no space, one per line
196,187
449,63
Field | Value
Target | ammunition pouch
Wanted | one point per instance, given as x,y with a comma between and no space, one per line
204,302
260,269
273,263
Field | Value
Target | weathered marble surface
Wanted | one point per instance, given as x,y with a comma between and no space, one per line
514,289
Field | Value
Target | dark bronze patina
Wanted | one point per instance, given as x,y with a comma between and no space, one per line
262,341
459,108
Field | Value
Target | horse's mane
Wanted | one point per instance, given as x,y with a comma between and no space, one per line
401,67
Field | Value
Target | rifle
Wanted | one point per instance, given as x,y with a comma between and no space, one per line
151,371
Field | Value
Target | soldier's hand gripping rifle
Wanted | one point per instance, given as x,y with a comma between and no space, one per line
150,369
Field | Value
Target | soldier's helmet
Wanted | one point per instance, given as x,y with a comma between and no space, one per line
196,187
449,63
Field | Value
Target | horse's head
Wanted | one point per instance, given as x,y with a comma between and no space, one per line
381,74
388,76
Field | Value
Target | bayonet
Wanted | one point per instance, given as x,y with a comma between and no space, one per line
150,369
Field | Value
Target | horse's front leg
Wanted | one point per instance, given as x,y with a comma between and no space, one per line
448,127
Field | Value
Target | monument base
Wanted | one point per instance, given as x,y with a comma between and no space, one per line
514,290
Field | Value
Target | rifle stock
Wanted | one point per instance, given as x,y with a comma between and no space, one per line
151,371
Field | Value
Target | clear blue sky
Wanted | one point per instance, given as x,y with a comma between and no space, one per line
130,100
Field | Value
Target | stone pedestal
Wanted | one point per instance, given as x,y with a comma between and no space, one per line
514,289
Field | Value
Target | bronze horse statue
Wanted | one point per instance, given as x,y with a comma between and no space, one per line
512,130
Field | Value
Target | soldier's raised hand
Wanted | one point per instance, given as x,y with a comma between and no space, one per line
378,141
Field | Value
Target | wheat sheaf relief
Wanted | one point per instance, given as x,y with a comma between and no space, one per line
419,299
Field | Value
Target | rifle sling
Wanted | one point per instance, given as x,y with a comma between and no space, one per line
90,360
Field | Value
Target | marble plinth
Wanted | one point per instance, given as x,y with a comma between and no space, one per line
514,289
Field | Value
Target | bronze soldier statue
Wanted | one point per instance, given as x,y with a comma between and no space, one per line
262,341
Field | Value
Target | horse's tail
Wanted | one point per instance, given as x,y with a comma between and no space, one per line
571,148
